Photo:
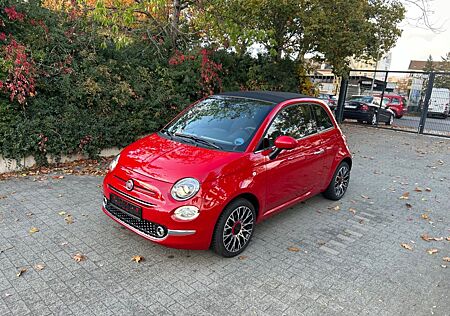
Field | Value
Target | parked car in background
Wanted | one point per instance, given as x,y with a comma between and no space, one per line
396,103
329,99
367,109
222,165
439,103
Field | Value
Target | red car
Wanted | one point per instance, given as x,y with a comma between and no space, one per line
224,164
396,103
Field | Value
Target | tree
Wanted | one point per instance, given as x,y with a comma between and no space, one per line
429,65
334,30
443,80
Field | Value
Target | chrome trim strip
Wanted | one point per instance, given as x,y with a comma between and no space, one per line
131,197
137,231
177,232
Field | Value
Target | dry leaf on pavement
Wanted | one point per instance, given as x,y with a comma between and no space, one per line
33,230
39,266
352,210
432,251
137,259
69,219
62,213
447,238
425,216
294,249
79,257
58,177
406,246
447,259
21,271
405,196
365,196
418,189
408,205
428,189
334,208
242,257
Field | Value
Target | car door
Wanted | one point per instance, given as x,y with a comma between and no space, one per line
297,172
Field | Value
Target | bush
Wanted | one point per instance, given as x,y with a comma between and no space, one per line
77,92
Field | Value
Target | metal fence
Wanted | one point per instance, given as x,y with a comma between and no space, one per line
417,101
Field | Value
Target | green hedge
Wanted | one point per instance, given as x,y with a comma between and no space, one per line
90,95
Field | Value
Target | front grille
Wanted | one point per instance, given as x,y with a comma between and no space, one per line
149,228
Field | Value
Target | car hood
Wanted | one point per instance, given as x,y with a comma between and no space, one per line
169,160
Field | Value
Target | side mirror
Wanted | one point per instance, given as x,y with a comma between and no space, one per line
283,143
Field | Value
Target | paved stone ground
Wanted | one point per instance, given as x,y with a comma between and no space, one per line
348,263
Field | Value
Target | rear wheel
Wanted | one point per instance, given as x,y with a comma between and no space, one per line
391,120
234,229
373,120
339,184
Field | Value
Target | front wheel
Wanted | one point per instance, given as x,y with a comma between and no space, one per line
339,183
234,229
391,120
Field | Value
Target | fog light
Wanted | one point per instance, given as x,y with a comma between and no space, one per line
160,232
186,213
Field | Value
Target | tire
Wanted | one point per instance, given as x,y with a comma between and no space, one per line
391,120
339,183
239,215
373,119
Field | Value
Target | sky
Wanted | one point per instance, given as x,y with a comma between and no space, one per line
417,43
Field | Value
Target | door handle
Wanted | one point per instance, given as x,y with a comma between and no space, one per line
319,152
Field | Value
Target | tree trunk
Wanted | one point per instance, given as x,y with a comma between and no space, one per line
175,21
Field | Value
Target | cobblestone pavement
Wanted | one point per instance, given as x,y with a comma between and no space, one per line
350,261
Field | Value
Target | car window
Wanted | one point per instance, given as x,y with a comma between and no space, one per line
322,117
395,101
227,122
296,121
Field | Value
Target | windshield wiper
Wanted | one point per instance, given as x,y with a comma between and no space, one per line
167,132
198,140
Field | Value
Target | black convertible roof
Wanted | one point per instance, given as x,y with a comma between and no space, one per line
270,96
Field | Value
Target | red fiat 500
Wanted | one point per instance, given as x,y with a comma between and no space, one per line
224,164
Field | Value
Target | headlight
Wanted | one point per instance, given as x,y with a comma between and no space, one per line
186,213
184,189
113,163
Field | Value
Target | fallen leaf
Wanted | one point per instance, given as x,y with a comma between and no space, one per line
365,196
447,259
428,238
428,189
39,266
448,238
405,196
334,208
137,259
425,216
21,271
242,257
29,214
418,189
293,249
352,210
58,177
62,213
69,219
79,257
406,246
33,230
408,205
432,251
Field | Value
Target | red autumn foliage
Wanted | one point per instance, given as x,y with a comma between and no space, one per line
13,15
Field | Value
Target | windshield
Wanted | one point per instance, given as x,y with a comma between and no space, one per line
227,123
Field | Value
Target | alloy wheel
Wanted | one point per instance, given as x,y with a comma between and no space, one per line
374,119
238,229
342,180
